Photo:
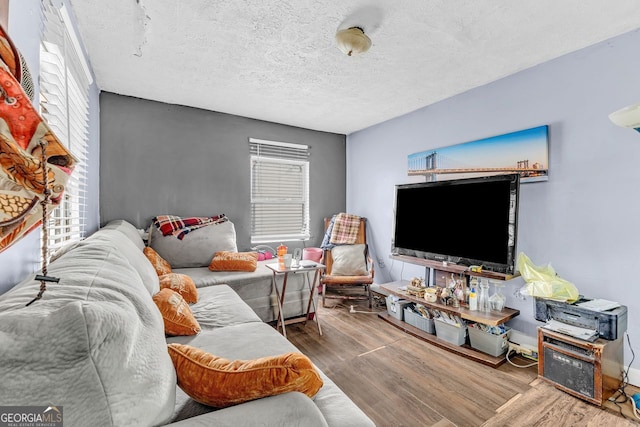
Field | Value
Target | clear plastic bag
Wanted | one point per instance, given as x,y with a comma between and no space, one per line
543,282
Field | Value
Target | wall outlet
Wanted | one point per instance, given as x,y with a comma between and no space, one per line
519,349
523,344
381,262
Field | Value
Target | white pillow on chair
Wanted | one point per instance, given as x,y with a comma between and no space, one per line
349,260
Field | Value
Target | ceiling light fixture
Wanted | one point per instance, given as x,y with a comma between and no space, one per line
353,40
627,117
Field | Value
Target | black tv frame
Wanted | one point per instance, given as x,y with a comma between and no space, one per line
506,266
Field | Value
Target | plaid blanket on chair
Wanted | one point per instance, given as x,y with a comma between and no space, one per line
345,229
179,227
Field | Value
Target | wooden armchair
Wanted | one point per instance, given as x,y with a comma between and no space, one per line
338,286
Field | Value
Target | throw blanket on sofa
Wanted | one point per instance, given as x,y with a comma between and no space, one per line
179,227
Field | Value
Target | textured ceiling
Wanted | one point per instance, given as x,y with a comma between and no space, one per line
277,60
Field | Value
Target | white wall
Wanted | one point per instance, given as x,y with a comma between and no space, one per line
583,220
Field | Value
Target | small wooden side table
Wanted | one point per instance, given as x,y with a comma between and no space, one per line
313,285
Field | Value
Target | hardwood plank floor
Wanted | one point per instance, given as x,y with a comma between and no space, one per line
399,380
553,407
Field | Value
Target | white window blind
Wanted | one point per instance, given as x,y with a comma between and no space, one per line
279,191
64,104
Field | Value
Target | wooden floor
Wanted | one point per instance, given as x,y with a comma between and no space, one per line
399,380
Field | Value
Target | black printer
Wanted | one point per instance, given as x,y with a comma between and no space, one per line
609,324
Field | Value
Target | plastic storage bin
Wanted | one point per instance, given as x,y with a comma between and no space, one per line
451,333
489,343
395,307
418,321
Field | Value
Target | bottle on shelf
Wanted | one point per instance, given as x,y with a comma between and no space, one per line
497,300
281,252
483,296
473,284
473,300
460,291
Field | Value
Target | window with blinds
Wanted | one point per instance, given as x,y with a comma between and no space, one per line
64,104
279,191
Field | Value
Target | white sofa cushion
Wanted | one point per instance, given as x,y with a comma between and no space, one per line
128,230
197,247
293,408
220,306
93,344
256,288
132,253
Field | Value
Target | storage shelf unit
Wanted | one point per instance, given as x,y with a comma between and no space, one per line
490,318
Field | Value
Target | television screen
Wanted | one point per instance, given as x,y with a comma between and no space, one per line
471,221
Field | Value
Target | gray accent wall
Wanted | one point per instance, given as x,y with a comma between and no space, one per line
583,220
160,159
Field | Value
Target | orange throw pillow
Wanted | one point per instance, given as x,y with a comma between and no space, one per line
182,284
218,382
160,264
177,316
234,261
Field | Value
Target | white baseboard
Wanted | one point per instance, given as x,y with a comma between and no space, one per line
634,376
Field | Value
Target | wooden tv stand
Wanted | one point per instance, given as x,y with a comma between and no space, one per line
448,268
489,318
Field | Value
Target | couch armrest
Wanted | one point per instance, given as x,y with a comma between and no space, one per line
293,408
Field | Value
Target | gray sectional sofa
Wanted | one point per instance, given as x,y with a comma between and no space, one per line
192,256
94,346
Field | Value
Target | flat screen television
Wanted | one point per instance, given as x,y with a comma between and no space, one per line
470,221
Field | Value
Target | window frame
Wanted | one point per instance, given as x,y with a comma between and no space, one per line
279,155
65,81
